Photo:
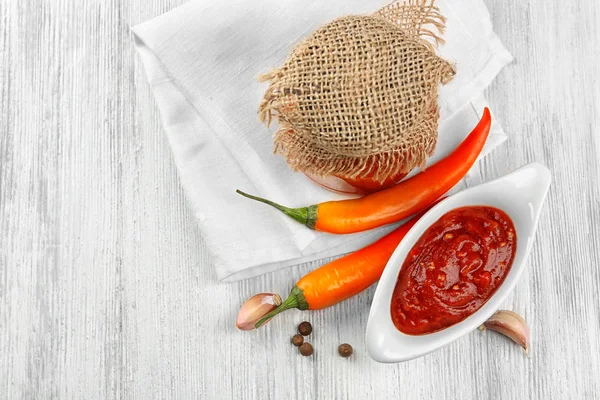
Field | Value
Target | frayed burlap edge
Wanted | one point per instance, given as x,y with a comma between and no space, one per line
413,17
294,148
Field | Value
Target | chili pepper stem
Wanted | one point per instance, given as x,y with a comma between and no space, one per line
305,215
295,300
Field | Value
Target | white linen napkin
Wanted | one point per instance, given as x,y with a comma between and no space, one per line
202,60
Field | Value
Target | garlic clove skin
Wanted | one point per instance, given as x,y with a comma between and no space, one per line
510,324
255,308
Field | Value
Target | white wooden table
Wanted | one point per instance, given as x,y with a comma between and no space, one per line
106,290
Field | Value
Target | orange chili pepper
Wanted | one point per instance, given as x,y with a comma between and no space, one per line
344,277
398,202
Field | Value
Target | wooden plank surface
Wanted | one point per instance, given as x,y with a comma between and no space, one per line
106,288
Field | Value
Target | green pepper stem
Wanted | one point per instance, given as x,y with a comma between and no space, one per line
295,300
305,215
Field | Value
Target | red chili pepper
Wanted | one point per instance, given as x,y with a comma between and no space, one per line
398,202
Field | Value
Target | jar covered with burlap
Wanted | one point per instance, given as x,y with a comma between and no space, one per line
358,99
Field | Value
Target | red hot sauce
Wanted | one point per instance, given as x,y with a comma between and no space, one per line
453,269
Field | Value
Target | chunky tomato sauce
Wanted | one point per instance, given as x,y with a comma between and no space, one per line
453,269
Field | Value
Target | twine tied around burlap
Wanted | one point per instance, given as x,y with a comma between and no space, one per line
359,97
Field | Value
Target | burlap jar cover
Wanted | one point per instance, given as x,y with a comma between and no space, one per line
359,97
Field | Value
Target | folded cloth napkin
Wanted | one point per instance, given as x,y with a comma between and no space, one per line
202,60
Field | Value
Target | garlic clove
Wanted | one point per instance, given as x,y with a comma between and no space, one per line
255,308
510,324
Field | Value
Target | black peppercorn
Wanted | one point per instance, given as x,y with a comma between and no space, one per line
305,328
345,350
306,349
297,340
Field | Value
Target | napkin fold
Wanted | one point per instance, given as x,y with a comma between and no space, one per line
202,60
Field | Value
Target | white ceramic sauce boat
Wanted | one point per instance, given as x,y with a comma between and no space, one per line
521,195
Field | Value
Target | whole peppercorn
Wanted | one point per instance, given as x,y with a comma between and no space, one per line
305,328
306,349
345,350
297,340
